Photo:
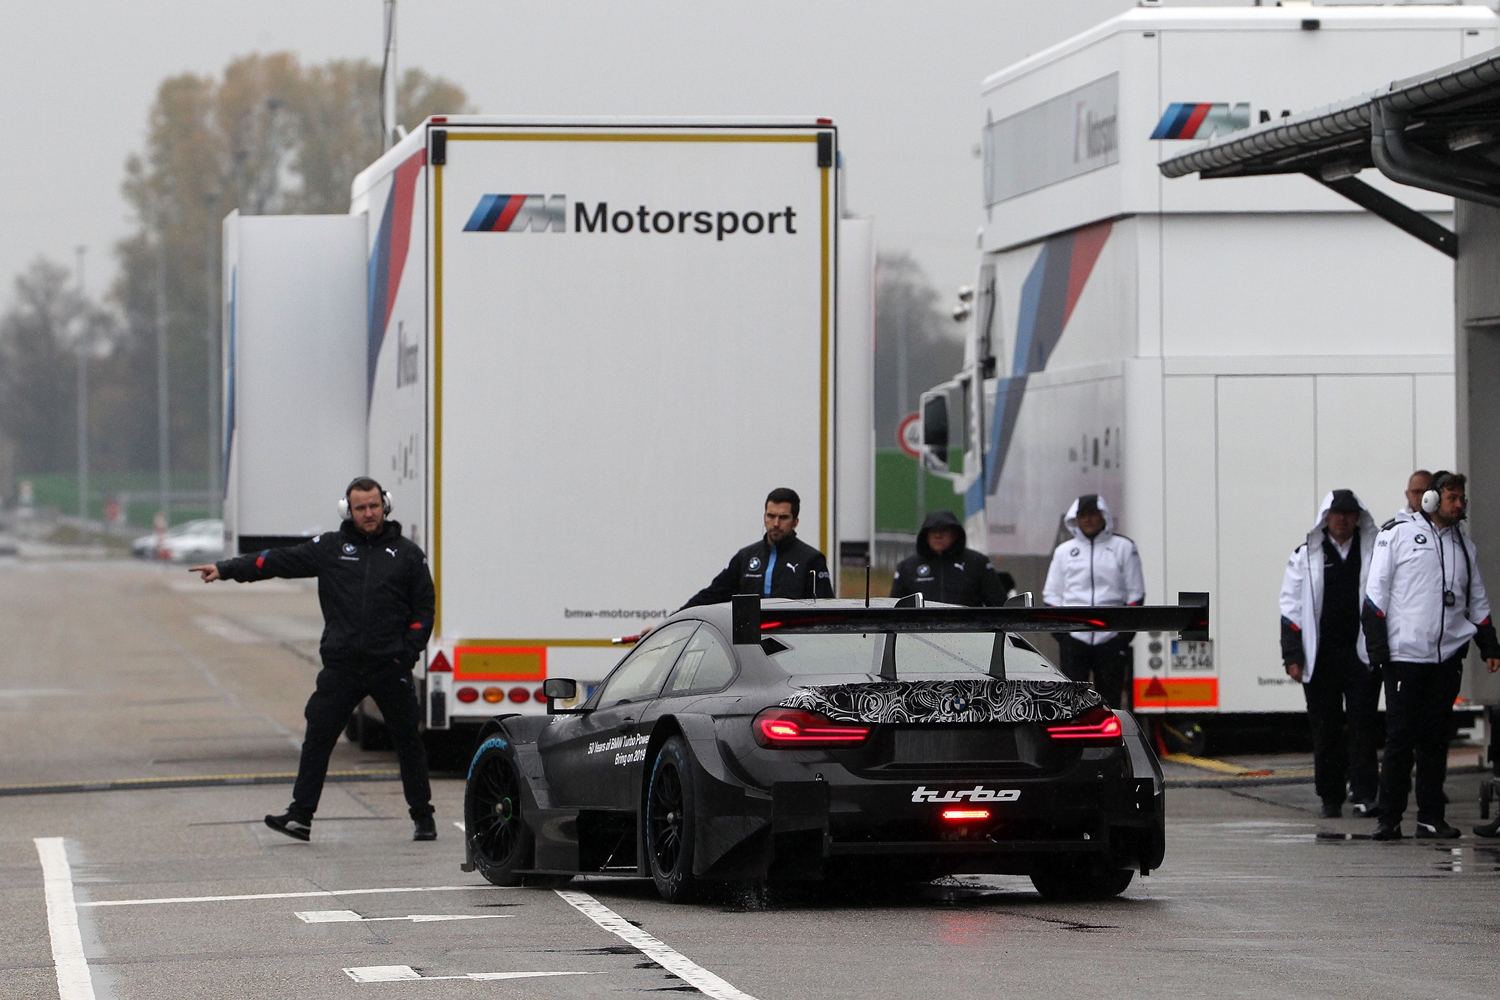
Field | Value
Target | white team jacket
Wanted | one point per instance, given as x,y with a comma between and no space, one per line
1104,570
1302,585
1414,563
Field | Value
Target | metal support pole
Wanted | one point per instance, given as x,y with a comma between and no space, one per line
163,428
213,451
388,80
82,347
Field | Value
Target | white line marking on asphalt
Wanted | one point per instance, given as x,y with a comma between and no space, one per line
685,969
287,895
350,917
73,979
406,974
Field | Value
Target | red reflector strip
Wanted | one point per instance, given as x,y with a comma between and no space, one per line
954,815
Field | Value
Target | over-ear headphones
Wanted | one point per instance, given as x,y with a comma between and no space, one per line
385,498
1433,498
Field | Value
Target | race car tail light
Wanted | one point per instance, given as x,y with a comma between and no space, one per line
1097,727
539,694
493,694
467,695
794,728
965,815
520,694
440,664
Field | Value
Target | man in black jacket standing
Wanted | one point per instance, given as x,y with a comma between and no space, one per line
377,599
779,565
945,570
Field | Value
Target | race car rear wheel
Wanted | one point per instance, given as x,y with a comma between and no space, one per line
499,838
670,811
1080,879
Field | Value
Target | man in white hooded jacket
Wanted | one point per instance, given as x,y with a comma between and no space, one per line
1424,602
1095,568
1323,646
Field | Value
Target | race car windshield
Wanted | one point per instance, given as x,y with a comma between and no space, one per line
919,656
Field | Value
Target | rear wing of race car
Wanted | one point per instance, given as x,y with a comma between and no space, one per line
1188,617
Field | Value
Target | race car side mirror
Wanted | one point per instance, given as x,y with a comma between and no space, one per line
557,689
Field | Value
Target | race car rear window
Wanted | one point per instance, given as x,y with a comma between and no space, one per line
919,655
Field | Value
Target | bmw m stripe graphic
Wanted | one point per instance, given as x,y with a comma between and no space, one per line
1202,121
516,213
1048,296
388,260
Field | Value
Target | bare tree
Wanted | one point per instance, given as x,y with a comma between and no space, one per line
916,346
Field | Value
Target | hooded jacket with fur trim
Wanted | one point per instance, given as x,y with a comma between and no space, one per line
1302,589
1103,571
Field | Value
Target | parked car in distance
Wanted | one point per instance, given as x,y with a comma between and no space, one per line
189,542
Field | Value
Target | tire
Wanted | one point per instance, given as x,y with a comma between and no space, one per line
1186,737
367,733
500,842
671,810
1080,879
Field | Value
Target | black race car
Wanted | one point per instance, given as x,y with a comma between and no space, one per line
792,740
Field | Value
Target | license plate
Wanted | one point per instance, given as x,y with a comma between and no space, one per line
1192,656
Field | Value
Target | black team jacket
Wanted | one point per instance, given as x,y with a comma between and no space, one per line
800,572
957,576
376,592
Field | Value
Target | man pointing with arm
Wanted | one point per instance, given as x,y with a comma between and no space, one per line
377,599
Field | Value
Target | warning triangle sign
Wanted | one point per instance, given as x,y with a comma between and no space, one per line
1156,689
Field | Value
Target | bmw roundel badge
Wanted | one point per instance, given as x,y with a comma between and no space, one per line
755,562
348,548
922,570
1420,539
1073,553
958,704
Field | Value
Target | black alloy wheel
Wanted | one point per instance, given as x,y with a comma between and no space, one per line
499,839
670,802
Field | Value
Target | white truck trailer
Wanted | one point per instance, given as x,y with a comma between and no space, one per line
1210,358
583,352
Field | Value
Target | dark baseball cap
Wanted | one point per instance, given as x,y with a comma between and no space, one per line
1345,501
1088,503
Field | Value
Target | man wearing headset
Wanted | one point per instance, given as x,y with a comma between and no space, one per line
377,599
1424,601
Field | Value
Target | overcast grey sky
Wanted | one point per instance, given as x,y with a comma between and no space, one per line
900,78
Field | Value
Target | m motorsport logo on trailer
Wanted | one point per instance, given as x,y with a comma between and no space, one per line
1202,121
537,213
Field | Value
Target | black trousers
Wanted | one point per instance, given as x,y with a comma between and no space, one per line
1107,661
339,692
1418,720
1343,698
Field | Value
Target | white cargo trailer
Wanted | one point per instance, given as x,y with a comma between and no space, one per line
589,349
1210,358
